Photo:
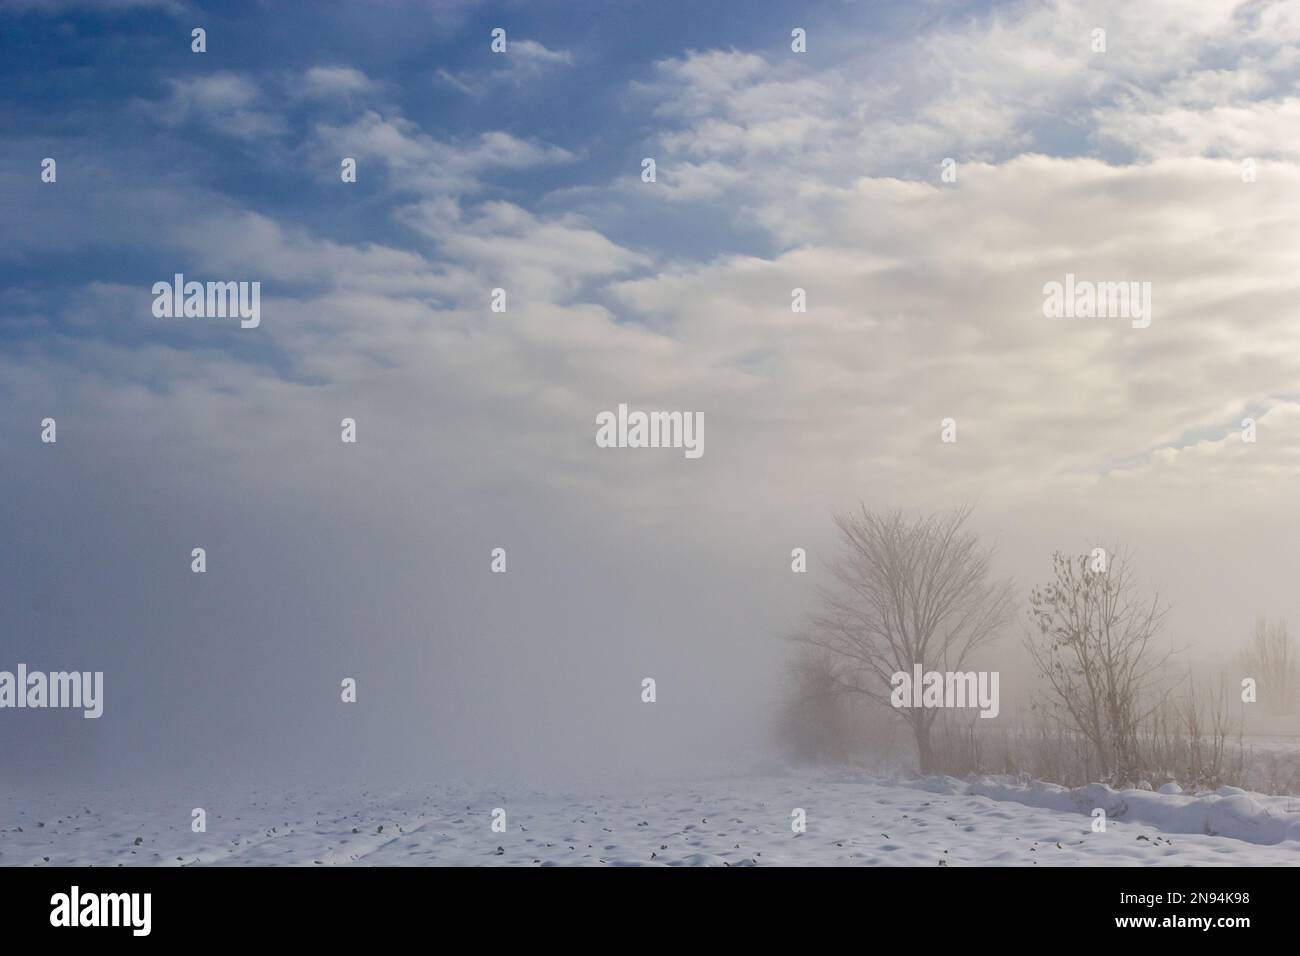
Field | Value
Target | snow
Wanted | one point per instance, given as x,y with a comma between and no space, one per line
1228,811
852,819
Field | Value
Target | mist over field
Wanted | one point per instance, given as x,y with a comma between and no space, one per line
500,272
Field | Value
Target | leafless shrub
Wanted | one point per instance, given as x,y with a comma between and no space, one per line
815,723
1092,640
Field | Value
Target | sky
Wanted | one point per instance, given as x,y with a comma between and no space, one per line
775,170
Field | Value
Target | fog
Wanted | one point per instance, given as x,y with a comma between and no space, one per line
380,571
476,427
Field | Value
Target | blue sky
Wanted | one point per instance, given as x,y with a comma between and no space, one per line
74,76
89,84
83,84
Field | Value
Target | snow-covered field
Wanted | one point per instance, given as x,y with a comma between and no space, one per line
852,819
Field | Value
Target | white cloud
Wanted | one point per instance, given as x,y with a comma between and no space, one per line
415,161
524,62
227,102
532,52
329,81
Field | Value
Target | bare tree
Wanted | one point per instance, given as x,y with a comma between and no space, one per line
1092,640
1271,659
909,591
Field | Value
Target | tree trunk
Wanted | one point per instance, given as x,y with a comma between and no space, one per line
924,750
